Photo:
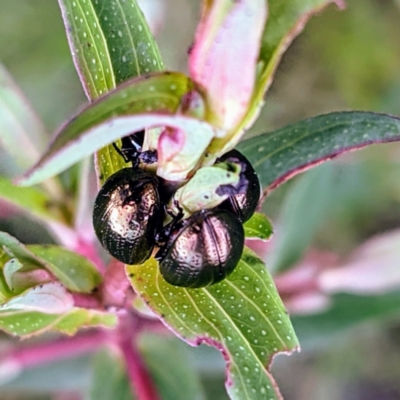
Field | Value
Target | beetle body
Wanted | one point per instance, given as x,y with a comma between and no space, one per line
242,204
202,249
126,215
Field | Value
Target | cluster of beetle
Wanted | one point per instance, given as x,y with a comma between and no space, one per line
197,251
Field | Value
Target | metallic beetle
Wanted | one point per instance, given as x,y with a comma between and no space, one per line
202,249
126,215
245,203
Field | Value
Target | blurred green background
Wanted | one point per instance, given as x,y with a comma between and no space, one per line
344,60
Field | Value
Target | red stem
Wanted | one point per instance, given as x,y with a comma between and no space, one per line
141,381
40,353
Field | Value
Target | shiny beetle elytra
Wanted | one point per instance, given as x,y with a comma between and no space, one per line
242,204
126,212
126,215
202,249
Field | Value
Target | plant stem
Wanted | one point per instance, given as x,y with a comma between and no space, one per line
141,381
40,353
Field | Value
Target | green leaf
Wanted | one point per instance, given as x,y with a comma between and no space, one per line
75,272
32,201
10,247
29,323
72,270
109,379
305,208
172,383
279,155
258,227
286,20
84,318
5,292
242,316
110,42
143,102
347,311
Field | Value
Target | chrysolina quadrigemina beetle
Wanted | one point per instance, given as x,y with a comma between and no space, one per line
202,249
198,251
243,204
126,212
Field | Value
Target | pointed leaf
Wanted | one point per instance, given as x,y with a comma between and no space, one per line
74,271
26,324
242,316
110,42
143,102
258,227
286,20
224,56
278,156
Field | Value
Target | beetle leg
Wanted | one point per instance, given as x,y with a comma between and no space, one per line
118,150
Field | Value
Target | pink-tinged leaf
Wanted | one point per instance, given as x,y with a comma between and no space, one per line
20,277
224,57
144,102
286,20
179,151
50,298
242,316
279,155
24,280
372,269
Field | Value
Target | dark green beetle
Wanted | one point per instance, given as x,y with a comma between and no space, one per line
202,249
244,203
126,215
